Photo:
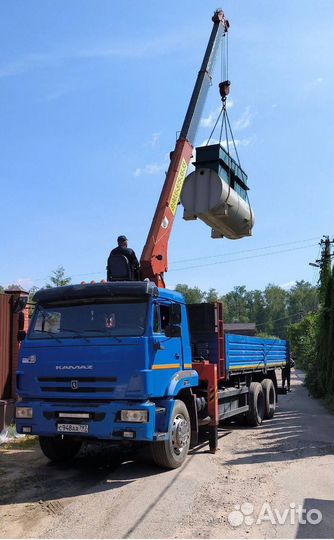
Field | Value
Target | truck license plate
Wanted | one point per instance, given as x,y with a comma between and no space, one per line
72,428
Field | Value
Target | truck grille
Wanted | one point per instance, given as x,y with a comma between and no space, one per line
77,385
79,379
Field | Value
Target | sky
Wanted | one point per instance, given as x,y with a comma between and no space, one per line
92,95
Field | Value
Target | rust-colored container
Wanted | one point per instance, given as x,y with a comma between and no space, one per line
9,351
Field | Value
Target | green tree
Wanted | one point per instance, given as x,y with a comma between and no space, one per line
256,308
276,310
303,298
30,299
236,305
212,295
303,341
325,340
330,345
58,278
325,268
312,340
193,295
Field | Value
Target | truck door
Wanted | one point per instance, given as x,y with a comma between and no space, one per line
167,340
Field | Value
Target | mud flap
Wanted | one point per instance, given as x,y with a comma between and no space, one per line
213,439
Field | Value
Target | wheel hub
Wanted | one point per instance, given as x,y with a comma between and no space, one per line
180,433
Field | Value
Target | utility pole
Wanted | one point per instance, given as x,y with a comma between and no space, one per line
324,263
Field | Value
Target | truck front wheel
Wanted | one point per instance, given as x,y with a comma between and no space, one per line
255,413
58,449
172,452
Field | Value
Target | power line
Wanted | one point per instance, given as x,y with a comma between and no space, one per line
247,250
241,258
97,273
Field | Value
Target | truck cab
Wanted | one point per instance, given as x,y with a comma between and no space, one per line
105,362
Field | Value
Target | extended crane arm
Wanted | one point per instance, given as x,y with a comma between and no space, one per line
154,259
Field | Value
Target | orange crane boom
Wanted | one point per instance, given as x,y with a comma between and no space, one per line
154,258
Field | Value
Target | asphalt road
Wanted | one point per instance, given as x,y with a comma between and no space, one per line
272,481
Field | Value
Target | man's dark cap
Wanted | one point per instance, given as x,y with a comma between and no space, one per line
121,239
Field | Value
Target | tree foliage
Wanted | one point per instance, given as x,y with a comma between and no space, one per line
272,309
303,337
193,295
58,278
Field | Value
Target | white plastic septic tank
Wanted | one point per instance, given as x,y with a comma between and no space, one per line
207,197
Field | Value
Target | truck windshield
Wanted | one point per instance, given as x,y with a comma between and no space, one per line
89,320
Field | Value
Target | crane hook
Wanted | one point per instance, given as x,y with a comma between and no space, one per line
224,89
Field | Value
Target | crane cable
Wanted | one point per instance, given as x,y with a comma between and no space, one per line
223,115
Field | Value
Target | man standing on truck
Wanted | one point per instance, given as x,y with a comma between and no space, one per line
123,249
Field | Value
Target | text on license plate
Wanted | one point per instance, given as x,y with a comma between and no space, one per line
72,428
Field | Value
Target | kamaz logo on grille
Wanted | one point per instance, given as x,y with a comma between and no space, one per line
74,385
83,366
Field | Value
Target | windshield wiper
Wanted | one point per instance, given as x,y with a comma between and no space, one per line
74,332
51,334
99,331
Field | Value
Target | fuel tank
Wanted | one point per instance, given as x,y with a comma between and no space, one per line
216,194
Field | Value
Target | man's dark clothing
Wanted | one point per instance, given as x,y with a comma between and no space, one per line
129,254
131,257
286,372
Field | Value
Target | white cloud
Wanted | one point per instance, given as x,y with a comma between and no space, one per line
210,120
154,141
244,121
25,283
150,168
246,141
25,63
156,46
319,80
288,285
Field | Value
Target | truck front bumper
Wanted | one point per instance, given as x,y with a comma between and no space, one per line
96,420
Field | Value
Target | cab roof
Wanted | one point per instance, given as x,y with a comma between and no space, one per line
108,289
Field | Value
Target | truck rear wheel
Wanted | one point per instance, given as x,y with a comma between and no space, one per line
172,452
255,413
269,398
58,449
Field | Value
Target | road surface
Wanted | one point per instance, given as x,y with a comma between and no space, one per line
255,486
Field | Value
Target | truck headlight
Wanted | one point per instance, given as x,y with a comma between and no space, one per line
134,416
23,412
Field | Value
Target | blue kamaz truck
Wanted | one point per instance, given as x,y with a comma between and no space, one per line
131,362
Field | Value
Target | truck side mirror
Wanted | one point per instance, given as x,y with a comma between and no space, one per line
21,320
175,314
20,303
21,335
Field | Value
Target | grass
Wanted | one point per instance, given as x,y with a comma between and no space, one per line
24,443
28,441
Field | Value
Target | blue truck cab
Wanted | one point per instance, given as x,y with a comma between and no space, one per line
128,362
106,362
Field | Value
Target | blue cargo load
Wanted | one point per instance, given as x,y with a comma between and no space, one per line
246,352
232,353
